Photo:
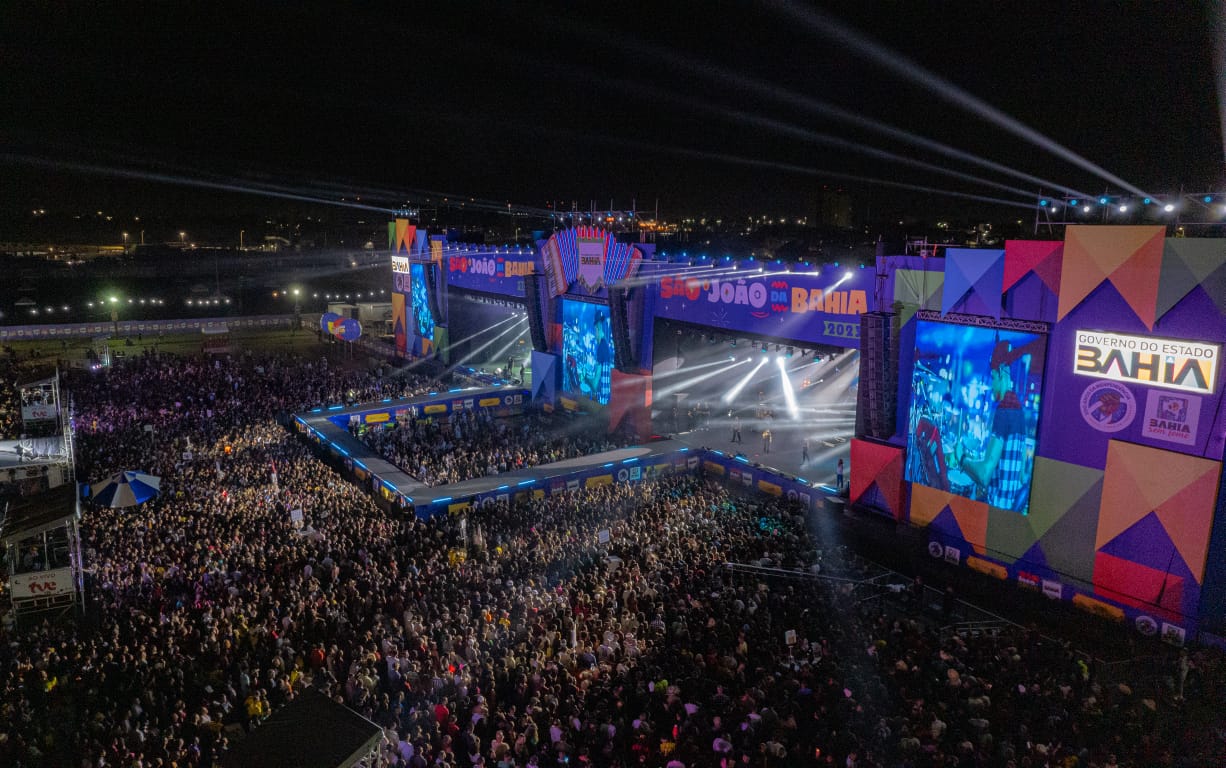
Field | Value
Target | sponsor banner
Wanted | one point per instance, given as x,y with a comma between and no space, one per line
774,489
490,272
599,480
376,418
27,586
819,308
987,567
38,412
953,555
1099,608
435,408
488,402
1171,416
400,265
1053,589
1029,581
462,506
1108,406
1169,363
713,467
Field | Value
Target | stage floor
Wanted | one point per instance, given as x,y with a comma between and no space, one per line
829,441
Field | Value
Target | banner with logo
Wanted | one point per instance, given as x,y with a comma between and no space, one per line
497,271
817,308
28,586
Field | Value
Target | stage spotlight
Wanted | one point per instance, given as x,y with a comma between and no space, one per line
1086,209
789,395
1103,201
1073,203
1146,201
736,390
1123,209
1207,199
1168,207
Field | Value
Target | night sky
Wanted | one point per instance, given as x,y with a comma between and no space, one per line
532,102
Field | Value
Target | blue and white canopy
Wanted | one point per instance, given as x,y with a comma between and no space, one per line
127,489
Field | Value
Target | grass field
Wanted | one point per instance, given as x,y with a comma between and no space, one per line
41,354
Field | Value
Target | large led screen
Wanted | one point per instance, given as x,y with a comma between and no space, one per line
587,350
423,318
974,415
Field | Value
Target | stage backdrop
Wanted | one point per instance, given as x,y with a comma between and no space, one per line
1126,458
817,308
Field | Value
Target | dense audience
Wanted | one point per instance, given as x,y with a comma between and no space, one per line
10,400
211,608
475,444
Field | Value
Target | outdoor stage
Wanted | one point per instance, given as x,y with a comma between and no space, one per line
423,495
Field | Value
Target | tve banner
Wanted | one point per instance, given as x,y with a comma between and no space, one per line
818,308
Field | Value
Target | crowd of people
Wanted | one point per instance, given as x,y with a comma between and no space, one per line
476,444
548,644
10,400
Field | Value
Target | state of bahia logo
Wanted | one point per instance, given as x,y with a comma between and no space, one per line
1108,406
764,300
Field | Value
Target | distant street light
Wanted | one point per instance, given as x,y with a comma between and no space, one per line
182,237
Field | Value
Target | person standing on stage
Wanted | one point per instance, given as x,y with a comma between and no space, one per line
736,430
766,441
804,452
838,475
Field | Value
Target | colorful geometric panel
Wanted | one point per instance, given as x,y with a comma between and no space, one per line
1063,496
1188,263
399,323
391,236
955,516
1130,258
1039,257
1139,585
877,470
973,280
917,289
1177,488
406,235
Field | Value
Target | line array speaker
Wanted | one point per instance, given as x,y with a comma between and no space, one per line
532,302
877,398
623,350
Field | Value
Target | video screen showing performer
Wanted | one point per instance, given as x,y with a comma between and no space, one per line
975,398
420,302
587,350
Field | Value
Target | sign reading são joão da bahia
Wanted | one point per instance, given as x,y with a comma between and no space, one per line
820,309
492,273
1190,366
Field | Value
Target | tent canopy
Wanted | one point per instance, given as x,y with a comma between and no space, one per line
312,731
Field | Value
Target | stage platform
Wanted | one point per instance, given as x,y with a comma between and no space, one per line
827,444
421,494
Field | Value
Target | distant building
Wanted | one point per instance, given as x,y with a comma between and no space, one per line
834,208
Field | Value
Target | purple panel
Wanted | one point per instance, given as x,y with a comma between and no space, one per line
1075,440
820,308
1031,299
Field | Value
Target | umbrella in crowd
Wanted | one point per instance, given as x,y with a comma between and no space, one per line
127,489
